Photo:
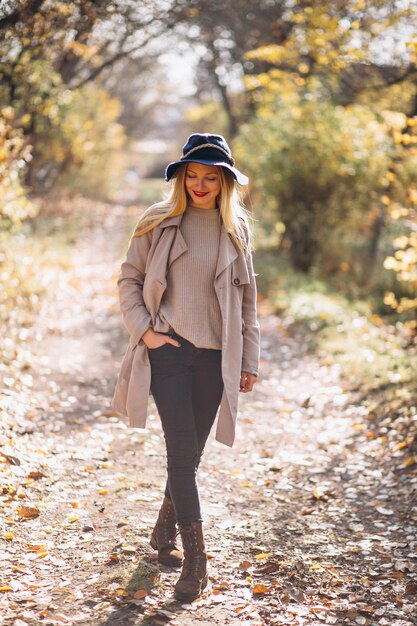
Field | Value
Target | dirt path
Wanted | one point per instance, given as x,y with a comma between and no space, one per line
305,522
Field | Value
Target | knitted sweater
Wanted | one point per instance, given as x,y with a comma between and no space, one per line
189,304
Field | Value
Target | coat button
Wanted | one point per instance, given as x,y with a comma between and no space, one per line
236,281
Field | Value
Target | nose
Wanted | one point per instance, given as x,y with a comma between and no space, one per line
200,183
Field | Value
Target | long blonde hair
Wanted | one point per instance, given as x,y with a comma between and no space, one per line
234,215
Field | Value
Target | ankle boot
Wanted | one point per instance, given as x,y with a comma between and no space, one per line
164,535
193,577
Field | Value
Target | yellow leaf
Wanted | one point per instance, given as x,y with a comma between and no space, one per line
317,493
103,492
263,555
10,535
5,588
42,553
73,518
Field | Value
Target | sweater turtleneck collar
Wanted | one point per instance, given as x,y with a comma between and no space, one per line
207,213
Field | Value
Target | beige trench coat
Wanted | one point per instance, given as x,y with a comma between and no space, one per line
141,284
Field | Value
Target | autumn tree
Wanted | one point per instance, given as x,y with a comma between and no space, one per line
51,52
323,135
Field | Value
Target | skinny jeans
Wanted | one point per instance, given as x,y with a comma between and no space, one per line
187,387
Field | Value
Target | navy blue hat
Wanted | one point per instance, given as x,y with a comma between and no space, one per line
207,150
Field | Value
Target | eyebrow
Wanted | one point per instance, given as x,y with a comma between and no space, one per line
210,173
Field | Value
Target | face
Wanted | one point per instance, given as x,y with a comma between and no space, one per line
202,183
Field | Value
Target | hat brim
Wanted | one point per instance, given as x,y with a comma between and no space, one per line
172,168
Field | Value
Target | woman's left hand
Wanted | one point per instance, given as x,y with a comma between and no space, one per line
247,381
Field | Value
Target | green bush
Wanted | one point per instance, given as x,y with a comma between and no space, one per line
319,173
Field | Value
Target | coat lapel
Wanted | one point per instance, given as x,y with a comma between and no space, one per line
227,252
178,246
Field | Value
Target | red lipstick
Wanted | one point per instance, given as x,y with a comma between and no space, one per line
200,194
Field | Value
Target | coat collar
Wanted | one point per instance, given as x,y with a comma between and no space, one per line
227,250
171,221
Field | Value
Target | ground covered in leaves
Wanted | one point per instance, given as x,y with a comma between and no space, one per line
309,518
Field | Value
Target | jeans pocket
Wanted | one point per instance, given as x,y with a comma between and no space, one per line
158,347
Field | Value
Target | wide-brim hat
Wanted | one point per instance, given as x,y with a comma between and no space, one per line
208,150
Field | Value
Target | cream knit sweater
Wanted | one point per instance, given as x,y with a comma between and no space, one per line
190,305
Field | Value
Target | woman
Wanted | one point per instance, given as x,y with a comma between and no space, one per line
188,298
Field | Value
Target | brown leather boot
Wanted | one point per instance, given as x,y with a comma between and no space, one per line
193,577
164,535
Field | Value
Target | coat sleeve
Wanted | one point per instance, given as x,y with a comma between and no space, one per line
136,317
251,332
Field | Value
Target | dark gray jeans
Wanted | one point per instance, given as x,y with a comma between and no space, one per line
187,386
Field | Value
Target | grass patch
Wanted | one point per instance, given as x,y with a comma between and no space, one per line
376,355
145,576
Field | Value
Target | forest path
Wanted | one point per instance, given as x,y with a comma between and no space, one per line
305,524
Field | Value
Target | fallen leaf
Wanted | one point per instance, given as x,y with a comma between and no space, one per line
410,589
383,511
268,568
34,547
306,511
36,475
260,588
244,565
128,549
28,512
317,493
13,460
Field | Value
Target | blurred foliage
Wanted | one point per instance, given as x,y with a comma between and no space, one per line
14,156
53,134
321,169
334,170
403,260
208,115
83,140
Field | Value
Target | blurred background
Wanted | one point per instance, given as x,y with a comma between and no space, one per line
318,100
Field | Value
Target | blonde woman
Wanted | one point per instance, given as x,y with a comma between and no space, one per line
188,297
